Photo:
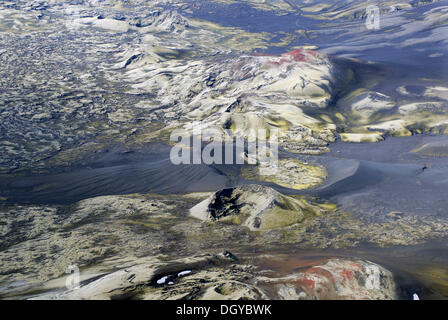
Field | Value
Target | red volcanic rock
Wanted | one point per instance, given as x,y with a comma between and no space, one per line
338,279
298,55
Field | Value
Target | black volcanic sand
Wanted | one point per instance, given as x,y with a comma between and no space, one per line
115,172
369,179
375,179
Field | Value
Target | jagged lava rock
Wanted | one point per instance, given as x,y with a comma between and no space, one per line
205,276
